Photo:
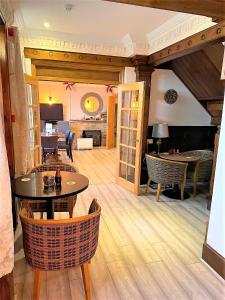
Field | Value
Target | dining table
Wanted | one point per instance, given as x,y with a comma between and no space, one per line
174,192
31,187
179,157
60,135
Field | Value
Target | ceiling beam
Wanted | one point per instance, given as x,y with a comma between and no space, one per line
84,58
207,37
209,8
77,66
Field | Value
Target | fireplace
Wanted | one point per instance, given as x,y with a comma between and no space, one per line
95,134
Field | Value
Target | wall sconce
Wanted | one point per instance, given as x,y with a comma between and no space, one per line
50,100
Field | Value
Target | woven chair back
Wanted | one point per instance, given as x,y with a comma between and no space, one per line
54,167
201,154
205,164
60,244
165,171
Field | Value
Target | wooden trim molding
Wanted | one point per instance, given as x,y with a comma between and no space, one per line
77,57
212,35
210,8
214,259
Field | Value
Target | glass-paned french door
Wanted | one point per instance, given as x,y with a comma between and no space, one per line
34,119
129,135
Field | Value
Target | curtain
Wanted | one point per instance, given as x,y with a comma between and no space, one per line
6,224
19,108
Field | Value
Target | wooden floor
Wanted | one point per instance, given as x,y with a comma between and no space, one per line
146,250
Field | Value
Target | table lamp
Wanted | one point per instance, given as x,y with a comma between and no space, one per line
160,131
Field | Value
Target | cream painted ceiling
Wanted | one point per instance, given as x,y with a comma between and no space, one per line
91,26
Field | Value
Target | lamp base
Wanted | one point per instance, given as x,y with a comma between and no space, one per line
159,142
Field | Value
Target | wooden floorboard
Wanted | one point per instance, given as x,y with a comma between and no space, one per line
146,250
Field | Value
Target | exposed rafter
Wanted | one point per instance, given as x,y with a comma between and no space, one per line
189,45
209,8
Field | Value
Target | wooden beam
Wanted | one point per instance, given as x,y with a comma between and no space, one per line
76,80
81,76
143,73
94,59
74,66
212,35
209,8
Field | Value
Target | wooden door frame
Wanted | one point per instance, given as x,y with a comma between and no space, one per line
6,282
111,120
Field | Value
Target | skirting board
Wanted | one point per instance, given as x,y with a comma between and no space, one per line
214,259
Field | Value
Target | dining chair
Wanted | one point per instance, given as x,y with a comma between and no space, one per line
63,143
63,126
65,204
165,172
201,171
53,245
49,145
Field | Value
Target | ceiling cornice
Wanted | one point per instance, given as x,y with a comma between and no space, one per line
176,29
35,39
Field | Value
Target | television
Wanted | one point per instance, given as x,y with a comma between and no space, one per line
51,112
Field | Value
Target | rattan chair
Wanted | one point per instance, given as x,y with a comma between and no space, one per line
165,172
202,170
60,205
52,245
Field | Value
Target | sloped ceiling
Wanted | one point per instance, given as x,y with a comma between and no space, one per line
97,26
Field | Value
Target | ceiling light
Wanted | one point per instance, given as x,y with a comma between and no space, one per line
47,25
68,7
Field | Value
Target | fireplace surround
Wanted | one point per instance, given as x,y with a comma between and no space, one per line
95,134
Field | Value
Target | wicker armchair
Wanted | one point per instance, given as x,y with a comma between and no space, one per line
60,205
165,172
202,170
51,245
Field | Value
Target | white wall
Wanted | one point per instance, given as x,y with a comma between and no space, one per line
216,231
59,94
129,75
186,111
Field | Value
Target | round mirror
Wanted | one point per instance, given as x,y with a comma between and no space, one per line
91,104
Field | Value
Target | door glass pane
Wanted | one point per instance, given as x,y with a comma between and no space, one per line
130,99
29,94
133,119
123,153
124,136
131,154
134,100
123,171
31,139
125,118
130,174
31,120
132,138
126,98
